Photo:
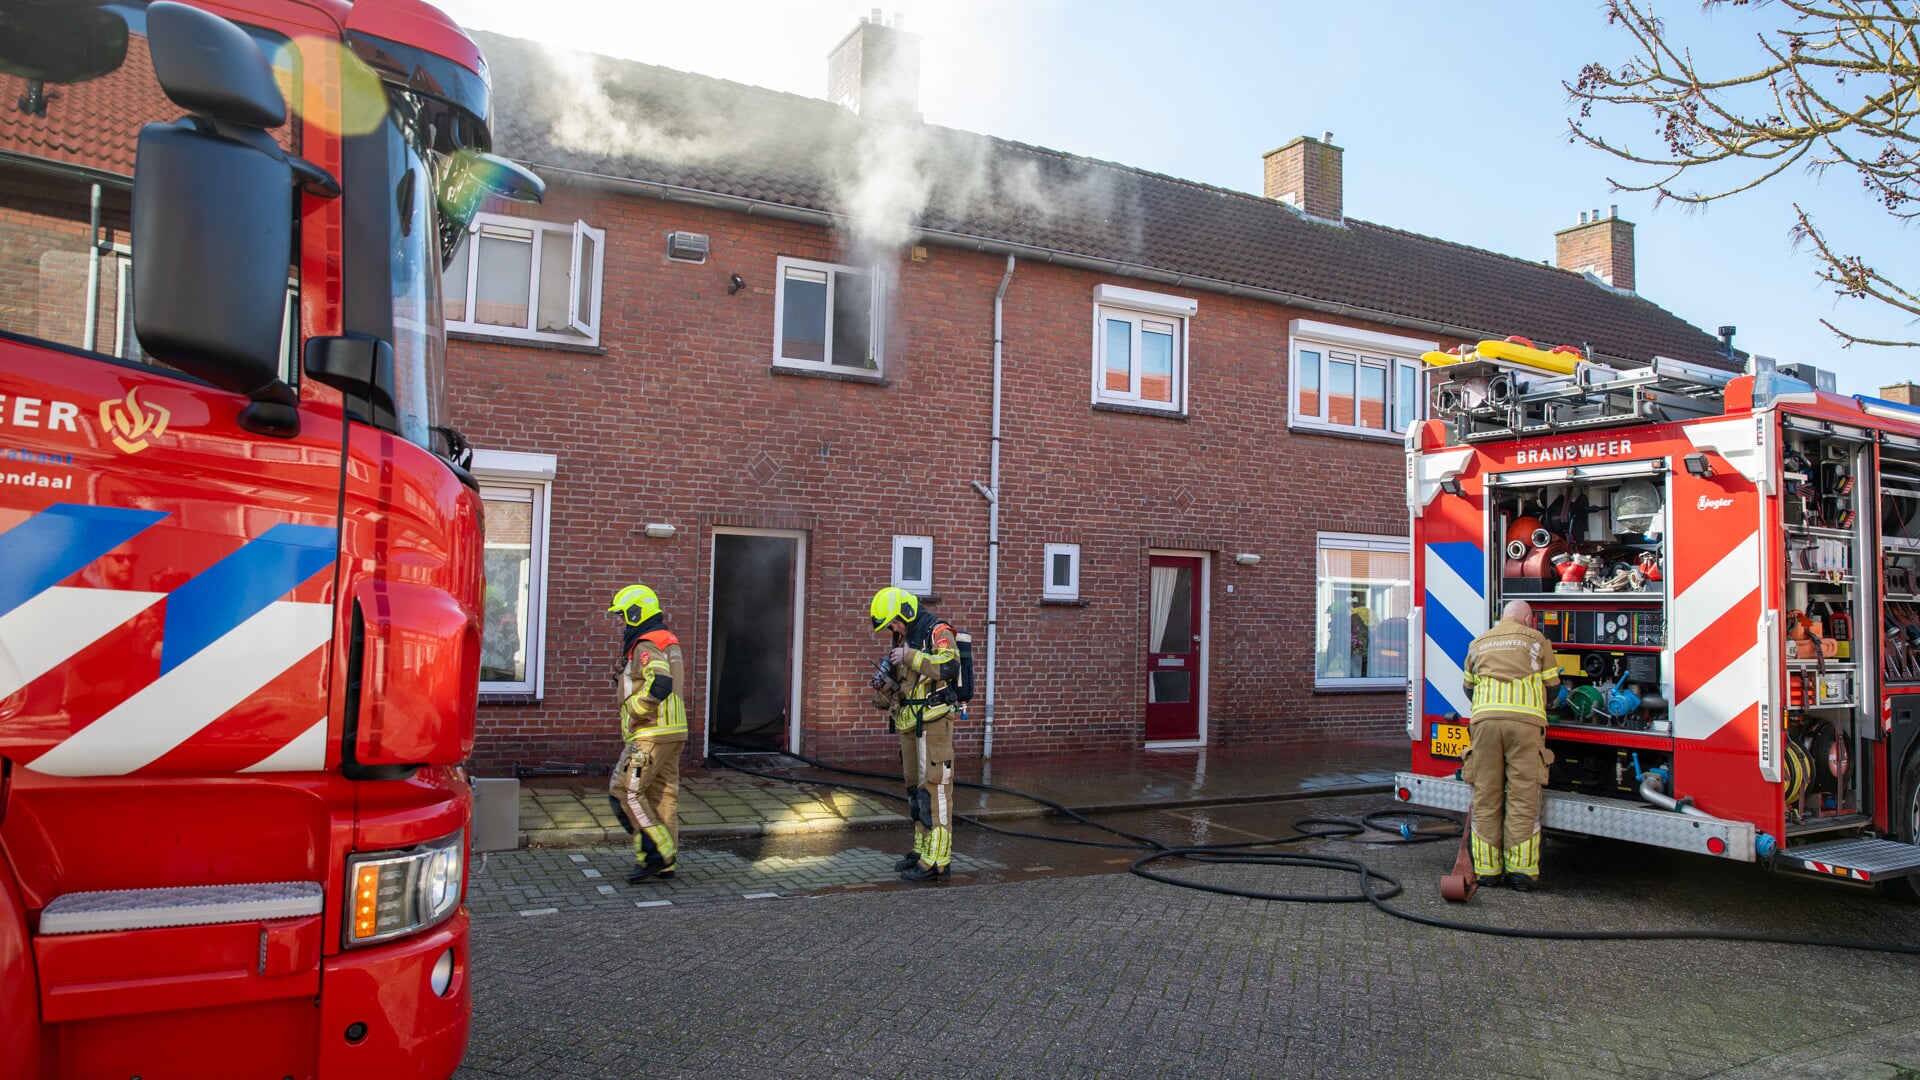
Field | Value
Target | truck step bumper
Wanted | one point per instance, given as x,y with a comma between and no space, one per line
1853,860
1563,811
194,905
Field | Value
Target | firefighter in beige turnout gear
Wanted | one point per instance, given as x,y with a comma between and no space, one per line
924,660
1509,670
645,788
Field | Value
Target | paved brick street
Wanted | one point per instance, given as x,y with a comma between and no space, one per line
1056,963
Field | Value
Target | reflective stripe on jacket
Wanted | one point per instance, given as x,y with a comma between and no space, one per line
919,676
1508,670
645,714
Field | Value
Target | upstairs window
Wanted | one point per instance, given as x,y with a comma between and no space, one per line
533,280
1140,348
1355,381
826,317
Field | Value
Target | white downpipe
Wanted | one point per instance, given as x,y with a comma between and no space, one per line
992,494
88,334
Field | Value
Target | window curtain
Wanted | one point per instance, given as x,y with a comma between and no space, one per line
1163,582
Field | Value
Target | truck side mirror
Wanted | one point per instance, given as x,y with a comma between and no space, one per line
213,215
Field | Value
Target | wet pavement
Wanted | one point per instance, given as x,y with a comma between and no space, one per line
798,954
718,802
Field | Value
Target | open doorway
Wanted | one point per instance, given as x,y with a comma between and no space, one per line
752,692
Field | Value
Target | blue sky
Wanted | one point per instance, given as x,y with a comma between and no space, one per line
1452,117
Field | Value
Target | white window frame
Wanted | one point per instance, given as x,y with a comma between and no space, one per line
503,471
876,317
1138,307
920,586
1387,353
1359,542
1049,589
586,326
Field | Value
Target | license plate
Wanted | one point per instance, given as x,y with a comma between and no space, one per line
1447,740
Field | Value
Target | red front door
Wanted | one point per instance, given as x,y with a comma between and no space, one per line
1173,648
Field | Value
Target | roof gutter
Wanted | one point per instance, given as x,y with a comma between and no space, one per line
825,219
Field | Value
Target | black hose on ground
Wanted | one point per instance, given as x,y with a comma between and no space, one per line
1242,853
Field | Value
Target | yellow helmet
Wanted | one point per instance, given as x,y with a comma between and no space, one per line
890,604
636,604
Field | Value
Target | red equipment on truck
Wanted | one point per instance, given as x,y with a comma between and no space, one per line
1728,565
240,560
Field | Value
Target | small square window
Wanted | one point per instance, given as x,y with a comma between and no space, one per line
913,564
1062,572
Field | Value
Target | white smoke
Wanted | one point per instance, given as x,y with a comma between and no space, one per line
885,170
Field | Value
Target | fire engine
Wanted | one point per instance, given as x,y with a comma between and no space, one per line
240,558
1728,565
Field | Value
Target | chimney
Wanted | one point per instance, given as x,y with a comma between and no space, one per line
875,70
1305,174
1601,246
1905,393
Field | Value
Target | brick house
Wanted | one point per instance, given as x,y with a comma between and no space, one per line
1140,436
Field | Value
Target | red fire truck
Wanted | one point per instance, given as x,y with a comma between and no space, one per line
240,560
1728,565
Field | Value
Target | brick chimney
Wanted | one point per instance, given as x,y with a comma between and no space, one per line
1601,246
1305,173
875,70
1905,393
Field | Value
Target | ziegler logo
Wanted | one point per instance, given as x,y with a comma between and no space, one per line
132,423
1713,504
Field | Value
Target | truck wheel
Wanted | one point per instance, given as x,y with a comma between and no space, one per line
1906,818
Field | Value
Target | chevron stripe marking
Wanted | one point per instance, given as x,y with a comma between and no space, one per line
169,710
59,542
46,631
238,587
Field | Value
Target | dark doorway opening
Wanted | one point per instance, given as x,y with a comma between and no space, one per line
751,673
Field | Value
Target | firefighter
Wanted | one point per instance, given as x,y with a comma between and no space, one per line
1510,669
645,788
920,701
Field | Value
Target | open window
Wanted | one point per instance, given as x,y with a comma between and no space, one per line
827,317
531,280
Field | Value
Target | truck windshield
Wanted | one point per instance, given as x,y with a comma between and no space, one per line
419,338
76,86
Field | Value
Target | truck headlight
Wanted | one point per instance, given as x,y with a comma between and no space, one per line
390,893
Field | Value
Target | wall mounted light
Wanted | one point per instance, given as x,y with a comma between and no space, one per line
1247,558
660,530
734,284
1697,465
1451,485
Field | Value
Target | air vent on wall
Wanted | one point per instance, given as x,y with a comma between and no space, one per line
687,247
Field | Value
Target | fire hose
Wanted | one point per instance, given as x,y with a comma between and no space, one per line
1395,821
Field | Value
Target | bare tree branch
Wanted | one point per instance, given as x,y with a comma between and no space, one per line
1839,86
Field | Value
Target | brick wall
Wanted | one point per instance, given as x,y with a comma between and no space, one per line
679,419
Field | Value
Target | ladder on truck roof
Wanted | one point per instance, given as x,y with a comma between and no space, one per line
1485,399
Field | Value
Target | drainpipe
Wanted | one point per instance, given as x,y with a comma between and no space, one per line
93,273
991,492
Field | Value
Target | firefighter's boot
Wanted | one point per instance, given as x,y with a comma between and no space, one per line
1522,863
652,868
912,859
923,872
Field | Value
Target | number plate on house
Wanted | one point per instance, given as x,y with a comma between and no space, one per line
1447,740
